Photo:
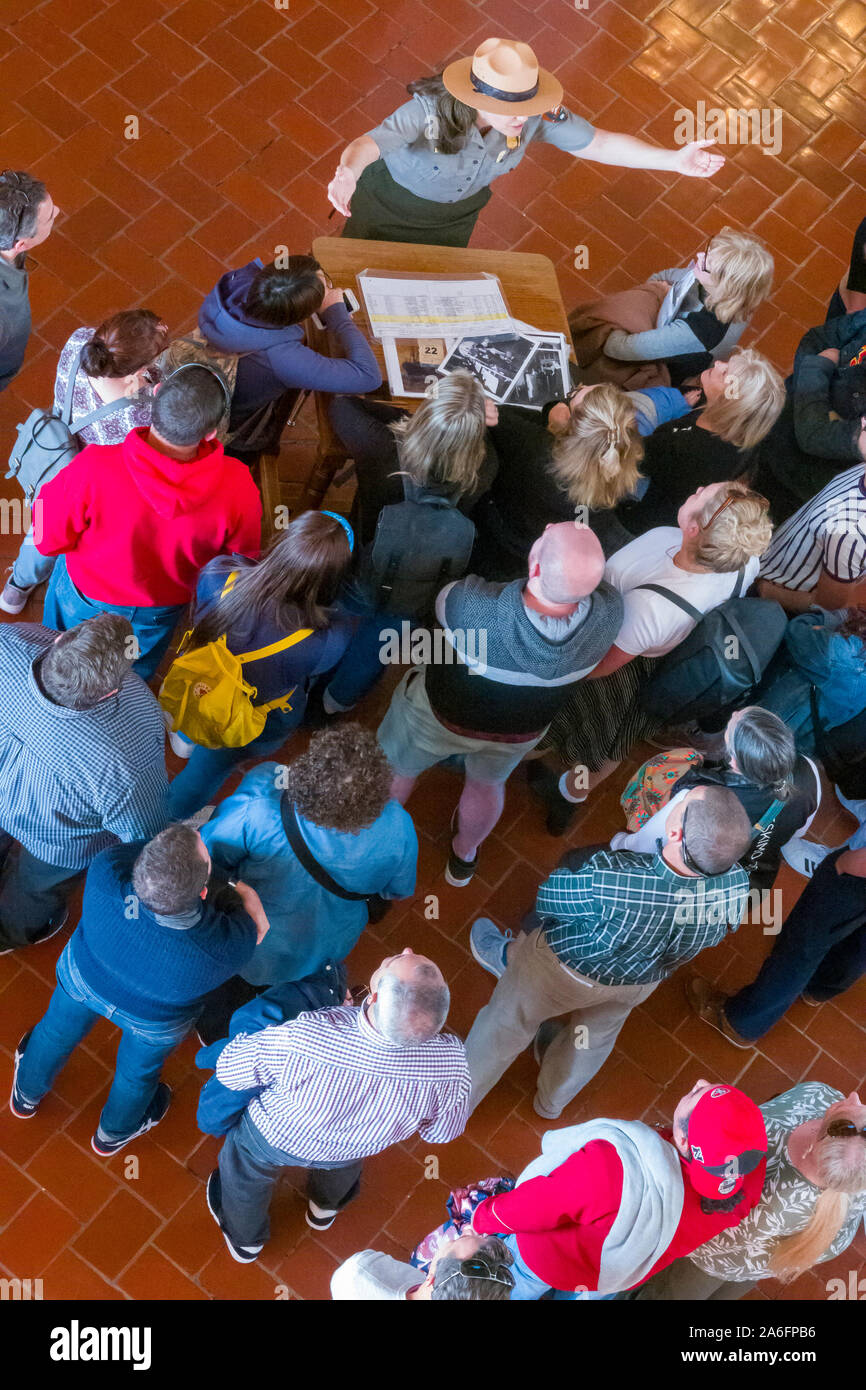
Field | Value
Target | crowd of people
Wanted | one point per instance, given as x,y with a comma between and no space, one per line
675,553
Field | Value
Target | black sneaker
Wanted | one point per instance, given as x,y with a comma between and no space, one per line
155,1112
459,872
319,1218
21,1108
244,1254
55,925
544,785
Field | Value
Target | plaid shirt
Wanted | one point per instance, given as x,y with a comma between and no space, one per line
630,919
334,1090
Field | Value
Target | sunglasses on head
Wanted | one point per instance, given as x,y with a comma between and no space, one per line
476,1268
845,1129
731,498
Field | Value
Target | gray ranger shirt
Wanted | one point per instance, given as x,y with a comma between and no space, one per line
413,161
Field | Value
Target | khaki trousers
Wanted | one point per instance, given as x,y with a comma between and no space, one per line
537,987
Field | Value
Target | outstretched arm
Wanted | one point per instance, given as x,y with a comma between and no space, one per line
694,159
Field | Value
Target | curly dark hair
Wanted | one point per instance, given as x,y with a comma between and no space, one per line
343,781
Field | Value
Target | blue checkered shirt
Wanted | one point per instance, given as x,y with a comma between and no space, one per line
630,919
73,780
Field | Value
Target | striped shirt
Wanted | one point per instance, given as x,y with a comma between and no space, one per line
630,919
72,782
827,533
335,1090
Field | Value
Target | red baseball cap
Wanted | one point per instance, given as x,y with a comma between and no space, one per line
728,1140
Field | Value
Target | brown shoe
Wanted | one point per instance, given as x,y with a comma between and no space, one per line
708,1003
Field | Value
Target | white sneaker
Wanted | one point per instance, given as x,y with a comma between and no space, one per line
804,856
14,598
180,746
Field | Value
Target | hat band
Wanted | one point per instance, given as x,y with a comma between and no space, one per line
485,89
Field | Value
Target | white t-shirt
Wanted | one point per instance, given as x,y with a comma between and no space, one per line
370,1275
653,624
645,839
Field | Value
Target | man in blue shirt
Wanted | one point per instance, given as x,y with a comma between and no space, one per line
156,935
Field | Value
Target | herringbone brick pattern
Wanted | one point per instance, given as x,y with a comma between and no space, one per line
241,109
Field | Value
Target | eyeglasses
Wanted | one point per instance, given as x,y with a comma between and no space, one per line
845,1129
687,858
701,258
17,205
476,1268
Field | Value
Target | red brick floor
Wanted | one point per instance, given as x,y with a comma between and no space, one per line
242,109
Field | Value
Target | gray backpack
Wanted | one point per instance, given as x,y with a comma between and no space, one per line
47,440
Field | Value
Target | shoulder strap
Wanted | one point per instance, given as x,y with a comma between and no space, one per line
746,644
108,408
260,652
674,598
302,853
285,642
739,583
773,811
66,412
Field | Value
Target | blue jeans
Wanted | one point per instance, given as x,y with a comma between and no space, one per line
249,1167
528,1286
208,768
31,568
821,949
360,667
71,1013
153,628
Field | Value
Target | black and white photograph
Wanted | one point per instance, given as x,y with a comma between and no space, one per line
544,378
496,360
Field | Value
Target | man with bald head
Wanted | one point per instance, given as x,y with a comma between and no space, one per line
331,1087
509,655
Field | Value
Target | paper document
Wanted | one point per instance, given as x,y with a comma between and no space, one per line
403,307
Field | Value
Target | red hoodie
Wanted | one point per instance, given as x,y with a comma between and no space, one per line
137,526
561,1221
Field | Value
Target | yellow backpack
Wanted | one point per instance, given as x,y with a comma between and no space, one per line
205,692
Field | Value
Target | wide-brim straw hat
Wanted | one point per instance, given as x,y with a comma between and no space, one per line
504,77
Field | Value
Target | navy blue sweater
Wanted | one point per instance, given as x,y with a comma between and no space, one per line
151,970
276,358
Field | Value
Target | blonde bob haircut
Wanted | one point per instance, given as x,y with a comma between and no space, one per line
740,529
742,274
596,457
445,440
842,1171
751,402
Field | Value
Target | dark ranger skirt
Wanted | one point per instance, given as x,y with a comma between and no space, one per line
383,210
603,719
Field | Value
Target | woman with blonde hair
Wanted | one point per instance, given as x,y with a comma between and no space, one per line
575,460
703,311
442,445
712,555
743,398
812,1206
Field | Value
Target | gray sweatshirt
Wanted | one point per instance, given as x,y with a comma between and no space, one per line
14,318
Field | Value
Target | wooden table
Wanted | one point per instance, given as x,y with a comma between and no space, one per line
528,282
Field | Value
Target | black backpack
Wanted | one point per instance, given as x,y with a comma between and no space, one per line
842,750
720,662
419,546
